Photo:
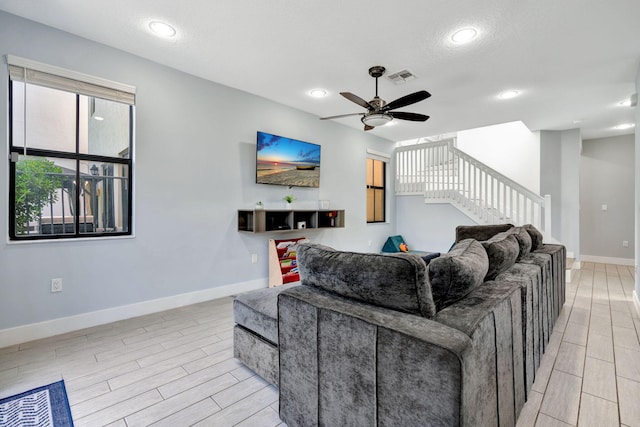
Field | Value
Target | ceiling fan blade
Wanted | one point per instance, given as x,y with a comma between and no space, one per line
414,117
367,127
355,98
341,115
407,100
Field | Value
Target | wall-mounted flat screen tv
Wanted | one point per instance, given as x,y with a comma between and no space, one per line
286,161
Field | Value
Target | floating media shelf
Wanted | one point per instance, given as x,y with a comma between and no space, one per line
263,220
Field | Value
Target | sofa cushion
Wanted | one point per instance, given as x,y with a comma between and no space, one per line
455,274
395,281
502,250
258,311
536,236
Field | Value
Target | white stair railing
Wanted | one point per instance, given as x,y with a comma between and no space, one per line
445,174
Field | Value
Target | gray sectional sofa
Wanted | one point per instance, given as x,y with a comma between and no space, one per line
387,340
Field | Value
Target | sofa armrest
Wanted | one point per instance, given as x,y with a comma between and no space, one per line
344,362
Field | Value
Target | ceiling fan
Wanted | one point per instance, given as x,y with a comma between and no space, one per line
379,113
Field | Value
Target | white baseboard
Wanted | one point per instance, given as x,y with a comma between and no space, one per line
34,331
570,254
608,260
636,302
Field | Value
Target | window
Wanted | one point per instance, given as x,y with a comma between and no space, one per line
70,140
376,190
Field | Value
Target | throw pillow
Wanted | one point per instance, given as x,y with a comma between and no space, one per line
523,238
502,251
455,274
396,281
536,236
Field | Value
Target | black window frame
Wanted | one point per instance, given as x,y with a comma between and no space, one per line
15,151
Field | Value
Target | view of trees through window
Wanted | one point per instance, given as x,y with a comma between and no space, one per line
70,164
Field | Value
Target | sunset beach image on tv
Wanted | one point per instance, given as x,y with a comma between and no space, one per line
286,161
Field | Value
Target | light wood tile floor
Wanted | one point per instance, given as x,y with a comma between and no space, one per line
176,368
590,372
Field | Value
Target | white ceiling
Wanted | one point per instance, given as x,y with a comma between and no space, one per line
570,59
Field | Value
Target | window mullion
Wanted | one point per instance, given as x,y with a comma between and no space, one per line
76,216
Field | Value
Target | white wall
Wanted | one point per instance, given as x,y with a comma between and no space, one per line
607,178
506,148
194,167
428,227
637,194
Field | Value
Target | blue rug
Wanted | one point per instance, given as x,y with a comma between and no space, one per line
45,406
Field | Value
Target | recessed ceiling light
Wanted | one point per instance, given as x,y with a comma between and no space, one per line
577,121
507,94
464,35
624,126
318,93
162,29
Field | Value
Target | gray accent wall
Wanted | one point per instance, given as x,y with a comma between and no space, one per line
607,178
194,167
571,143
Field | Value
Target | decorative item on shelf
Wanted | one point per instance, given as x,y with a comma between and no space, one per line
289,200
259,205
332,215
302,224
324,204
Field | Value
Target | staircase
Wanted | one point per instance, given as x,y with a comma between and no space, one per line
444,174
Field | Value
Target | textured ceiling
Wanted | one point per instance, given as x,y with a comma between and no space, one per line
570,59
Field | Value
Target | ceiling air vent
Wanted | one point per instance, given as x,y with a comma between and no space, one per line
401,77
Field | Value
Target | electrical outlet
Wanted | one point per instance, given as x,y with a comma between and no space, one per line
56,285
625,243
254,258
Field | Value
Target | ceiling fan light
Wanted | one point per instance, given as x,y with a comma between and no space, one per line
376,119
